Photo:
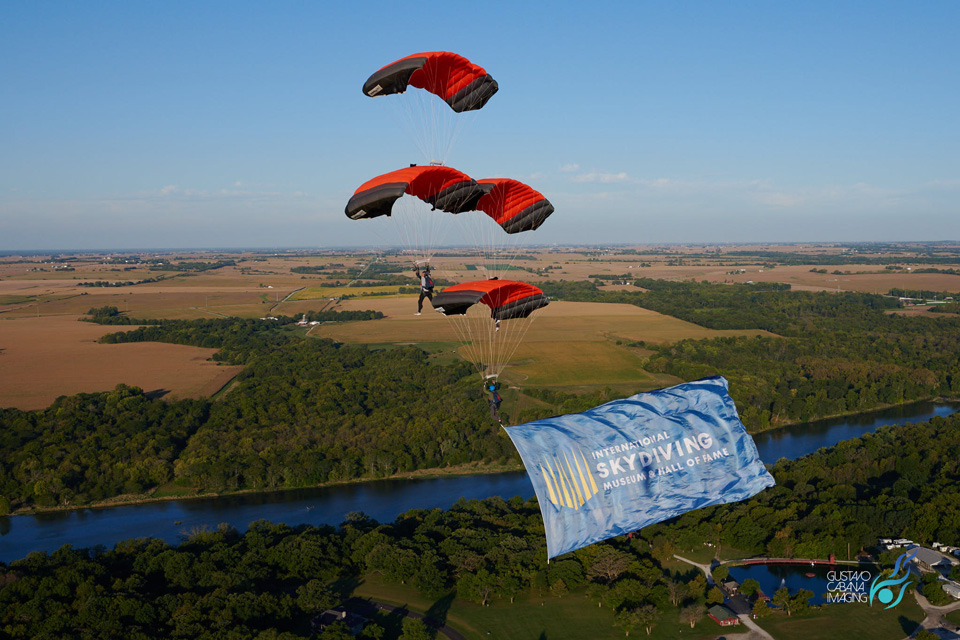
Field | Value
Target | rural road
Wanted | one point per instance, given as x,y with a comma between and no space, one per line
934,620
703,567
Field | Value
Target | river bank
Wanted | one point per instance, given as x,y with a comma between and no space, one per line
171,492
176,518
466,469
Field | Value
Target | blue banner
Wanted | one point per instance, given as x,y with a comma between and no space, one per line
634,462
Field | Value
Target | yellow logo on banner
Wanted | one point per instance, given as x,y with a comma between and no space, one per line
570,484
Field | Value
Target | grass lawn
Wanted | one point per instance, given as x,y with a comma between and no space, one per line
572,617
953,616
847,620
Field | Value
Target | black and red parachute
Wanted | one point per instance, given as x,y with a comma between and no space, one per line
507,299
514,205
444,188
457,81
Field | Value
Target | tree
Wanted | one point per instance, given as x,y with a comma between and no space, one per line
697,587
314,596
337,631
647,616
782,599
720,573
559,588
372,631
933,592
414,629
608,565
801,600
761,608
677,590
749,587
693,613
715,596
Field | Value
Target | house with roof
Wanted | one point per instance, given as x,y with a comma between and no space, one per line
731,586
354,622
723,616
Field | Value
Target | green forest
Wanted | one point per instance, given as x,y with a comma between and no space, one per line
269,581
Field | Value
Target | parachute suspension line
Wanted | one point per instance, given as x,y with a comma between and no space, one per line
413,228
434,127
488,346
496,250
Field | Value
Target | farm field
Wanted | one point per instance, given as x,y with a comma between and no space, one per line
43,358
568,343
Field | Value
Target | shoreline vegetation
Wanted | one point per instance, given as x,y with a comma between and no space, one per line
462,470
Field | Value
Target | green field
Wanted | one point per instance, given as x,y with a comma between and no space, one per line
953,616
847,620
581,363
572,617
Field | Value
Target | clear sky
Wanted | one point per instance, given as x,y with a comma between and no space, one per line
236,124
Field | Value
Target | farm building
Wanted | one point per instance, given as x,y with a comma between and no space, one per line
723,616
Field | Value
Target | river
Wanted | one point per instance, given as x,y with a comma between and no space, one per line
383,499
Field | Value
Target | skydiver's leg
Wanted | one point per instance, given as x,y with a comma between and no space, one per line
424,294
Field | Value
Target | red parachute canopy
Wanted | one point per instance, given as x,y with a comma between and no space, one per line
443,187
515,206
507,299
460,83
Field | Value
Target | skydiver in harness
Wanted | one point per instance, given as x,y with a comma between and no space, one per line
492,387
426,286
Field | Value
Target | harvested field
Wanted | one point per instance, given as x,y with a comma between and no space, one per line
43,358
325,293
861,278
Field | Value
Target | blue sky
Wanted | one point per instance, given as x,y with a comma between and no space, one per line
201,124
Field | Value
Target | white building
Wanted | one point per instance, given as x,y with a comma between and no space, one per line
928,559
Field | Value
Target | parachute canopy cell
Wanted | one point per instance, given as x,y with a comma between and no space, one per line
513,205
460,83
507,299
443,187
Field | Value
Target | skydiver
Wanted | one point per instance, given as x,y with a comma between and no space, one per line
426,286
492,387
